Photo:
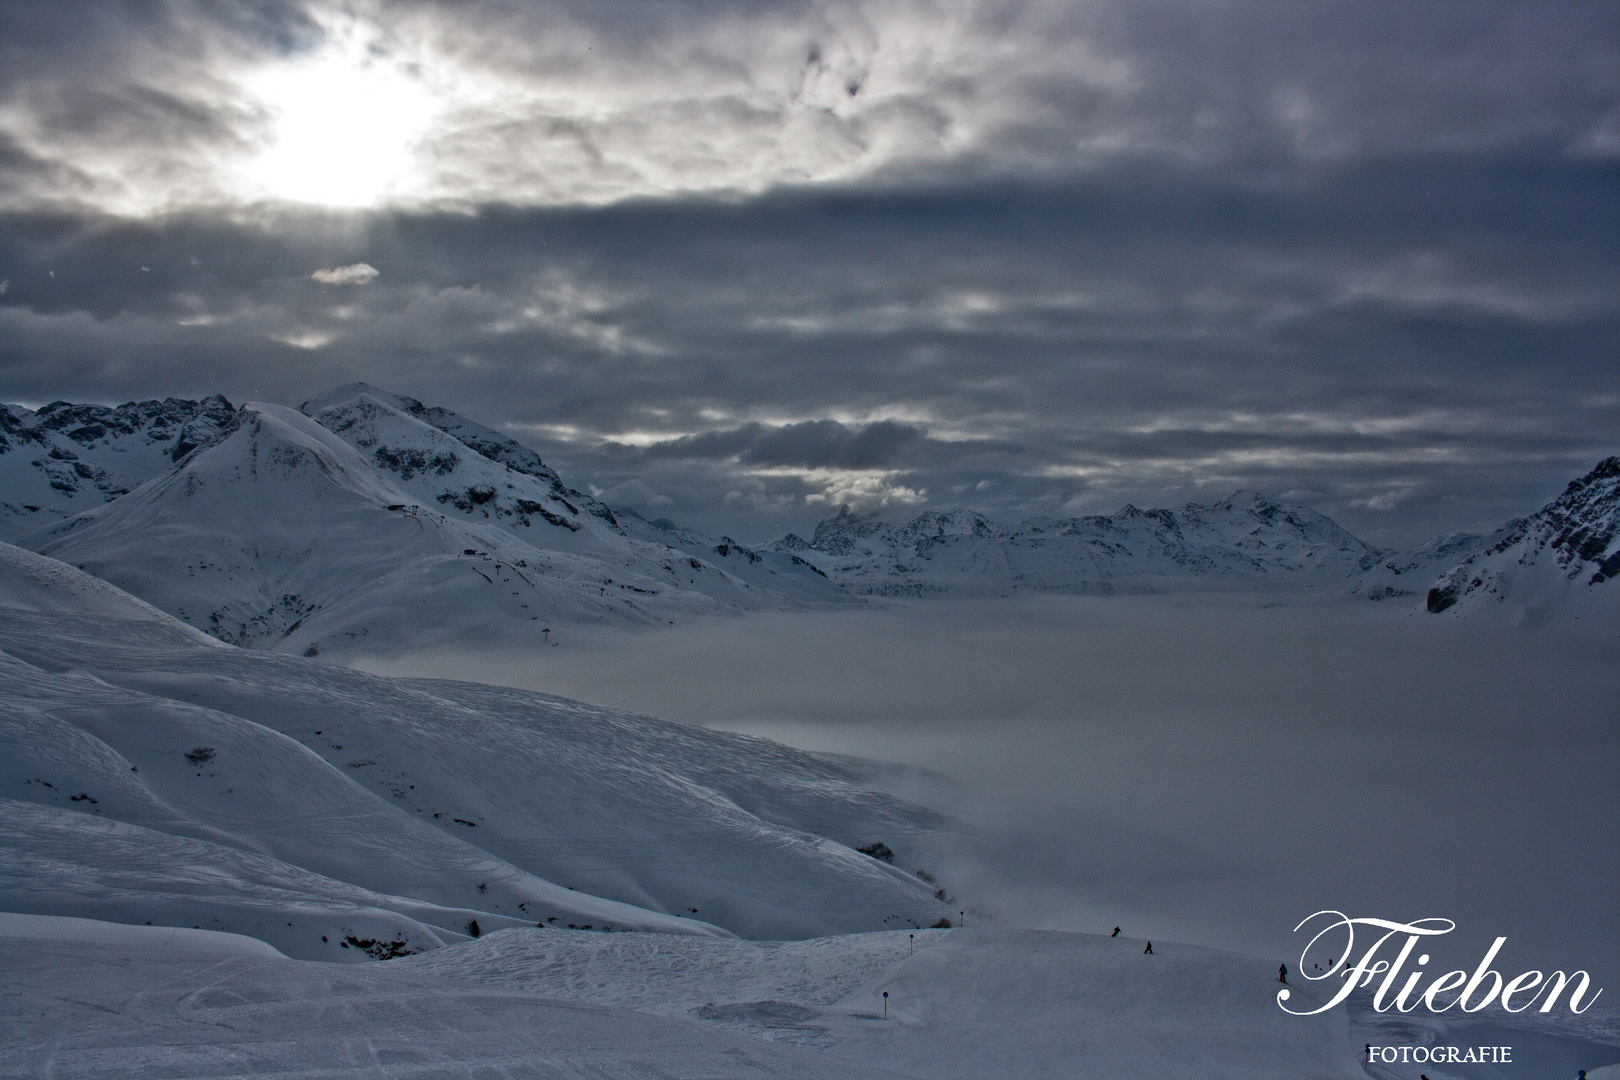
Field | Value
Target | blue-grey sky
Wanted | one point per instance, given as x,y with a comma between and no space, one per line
737,264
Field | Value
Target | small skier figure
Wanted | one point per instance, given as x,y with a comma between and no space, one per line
1149,950
1115,933
1282,973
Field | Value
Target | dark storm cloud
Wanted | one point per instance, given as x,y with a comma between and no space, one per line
1040,259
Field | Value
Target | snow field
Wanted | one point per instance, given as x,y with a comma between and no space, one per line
969,1003
97,1011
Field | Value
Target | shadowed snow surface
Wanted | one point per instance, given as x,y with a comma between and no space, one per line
148,774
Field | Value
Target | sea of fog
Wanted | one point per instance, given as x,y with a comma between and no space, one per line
1210,770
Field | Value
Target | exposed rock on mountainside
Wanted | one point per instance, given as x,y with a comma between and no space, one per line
1564,556
66,458
436,445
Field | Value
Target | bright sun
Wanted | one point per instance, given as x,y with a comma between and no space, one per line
346,127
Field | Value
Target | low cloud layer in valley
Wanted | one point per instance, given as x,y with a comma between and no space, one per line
1204,770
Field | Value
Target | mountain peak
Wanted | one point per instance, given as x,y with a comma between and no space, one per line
1607,469
1244,499
338,395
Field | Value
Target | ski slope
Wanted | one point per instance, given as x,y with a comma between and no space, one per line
524,1002
95,1011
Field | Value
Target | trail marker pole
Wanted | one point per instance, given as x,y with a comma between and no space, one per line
885,1004
961,918
913,938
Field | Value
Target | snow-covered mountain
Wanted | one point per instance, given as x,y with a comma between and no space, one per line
1243,542
426,451
381,528
779,571
1561,559
66,458
149,773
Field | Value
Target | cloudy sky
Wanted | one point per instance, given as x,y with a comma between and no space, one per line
739,263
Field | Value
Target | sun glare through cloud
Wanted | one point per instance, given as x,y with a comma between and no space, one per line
346,126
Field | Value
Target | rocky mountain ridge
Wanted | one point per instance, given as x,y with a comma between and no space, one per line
64,458
1564,555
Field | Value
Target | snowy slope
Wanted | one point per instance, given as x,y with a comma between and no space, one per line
966,1003
996,1003
30,582
66,458
147,773
1561,560
525,1003
1243,542
1403,574
60,929
99,1011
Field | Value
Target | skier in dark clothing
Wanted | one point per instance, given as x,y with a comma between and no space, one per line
1149,949
1115,933
1282,973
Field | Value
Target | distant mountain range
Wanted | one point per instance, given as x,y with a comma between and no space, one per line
1243,542
1557,559
366,520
